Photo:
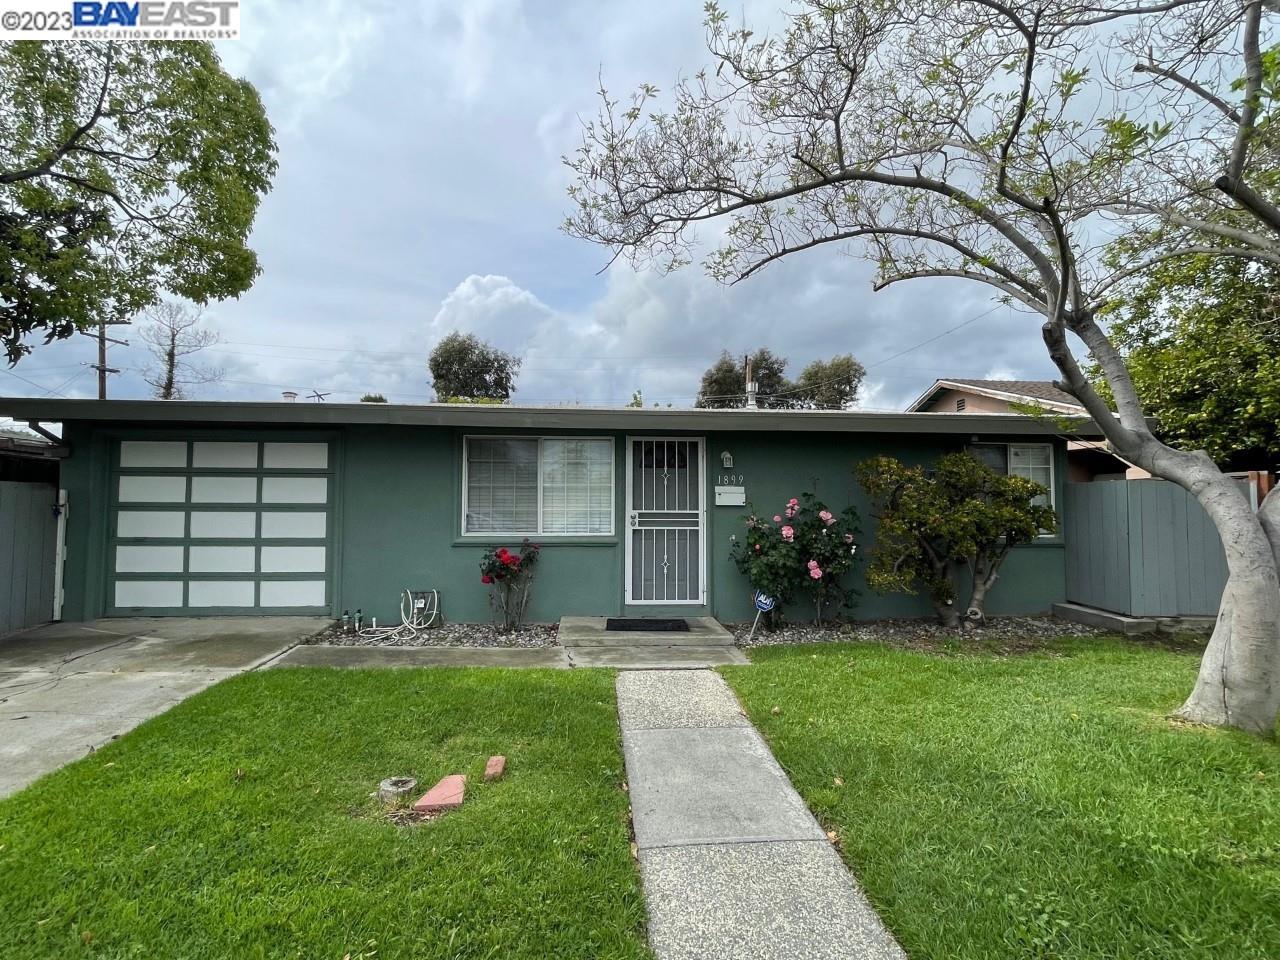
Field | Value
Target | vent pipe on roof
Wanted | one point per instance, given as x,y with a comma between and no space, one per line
289,396
752,387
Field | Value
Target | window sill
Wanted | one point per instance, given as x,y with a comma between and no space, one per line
484,540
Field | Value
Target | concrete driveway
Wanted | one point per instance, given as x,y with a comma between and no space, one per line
68,688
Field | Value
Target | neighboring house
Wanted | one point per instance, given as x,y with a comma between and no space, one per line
1087,459
189,508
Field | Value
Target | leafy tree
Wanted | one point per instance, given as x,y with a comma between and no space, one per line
464,369
724,382
637,399
373,398
127,171
173,334
1201,337
830,384
995,141
961,517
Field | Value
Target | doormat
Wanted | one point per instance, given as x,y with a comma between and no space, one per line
637,623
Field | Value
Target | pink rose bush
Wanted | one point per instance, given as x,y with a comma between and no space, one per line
807,551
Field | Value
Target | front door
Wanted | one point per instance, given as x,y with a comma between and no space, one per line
666,521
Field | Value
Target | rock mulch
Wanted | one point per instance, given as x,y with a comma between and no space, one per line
1000,635
448,635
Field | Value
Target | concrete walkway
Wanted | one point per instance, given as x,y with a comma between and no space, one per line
68,688
735,867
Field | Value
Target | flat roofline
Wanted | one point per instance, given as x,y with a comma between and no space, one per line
509,416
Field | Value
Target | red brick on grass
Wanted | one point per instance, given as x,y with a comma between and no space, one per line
495,768
445,795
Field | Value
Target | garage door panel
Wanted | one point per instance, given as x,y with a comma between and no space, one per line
227,526
221,559
153,453
148,593
149,559
295,456
225,454
293,559
295,490
220,593
151,523
291,593
224,525
144,489
295,525
224,489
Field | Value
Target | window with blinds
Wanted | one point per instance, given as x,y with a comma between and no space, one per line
538,486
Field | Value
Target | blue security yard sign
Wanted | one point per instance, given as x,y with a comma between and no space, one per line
764,602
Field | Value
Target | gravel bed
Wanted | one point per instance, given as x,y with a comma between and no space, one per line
1001,634
448,635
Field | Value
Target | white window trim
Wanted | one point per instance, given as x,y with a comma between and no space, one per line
507,534
1053,474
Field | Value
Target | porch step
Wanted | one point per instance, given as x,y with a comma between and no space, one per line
591,632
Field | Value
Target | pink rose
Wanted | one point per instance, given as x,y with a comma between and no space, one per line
791,512
815,573
777,519
793,501
812,564
788,534
826,517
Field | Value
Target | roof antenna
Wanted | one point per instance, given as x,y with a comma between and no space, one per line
316,395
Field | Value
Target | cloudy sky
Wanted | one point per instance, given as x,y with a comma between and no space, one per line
420,191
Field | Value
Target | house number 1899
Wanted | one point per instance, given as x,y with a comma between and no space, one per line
730,479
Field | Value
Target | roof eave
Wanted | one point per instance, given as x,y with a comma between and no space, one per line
127,412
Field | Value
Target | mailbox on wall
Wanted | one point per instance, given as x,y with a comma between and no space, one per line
731,496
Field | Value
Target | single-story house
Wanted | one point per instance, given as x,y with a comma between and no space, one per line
1088,459
189,508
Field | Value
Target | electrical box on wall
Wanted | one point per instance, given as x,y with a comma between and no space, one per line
731,496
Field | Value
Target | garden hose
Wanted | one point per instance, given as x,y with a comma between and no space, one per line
419,611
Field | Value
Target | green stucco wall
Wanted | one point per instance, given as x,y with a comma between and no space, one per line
399,506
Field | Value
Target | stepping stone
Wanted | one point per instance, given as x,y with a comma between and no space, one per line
445,795
495,768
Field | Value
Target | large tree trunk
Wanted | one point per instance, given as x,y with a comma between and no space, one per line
1239,680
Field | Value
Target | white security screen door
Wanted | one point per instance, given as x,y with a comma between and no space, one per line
665,521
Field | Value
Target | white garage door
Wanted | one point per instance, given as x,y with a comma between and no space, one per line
221,527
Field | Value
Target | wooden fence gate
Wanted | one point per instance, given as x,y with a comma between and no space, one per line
29,544
1144,548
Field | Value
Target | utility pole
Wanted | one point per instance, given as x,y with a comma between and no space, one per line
101,365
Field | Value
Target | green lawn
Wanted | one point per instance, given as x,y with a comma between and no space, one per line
156,847
1033,806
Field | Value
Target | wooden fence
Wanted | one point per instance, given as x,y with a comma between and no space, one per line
1143,548
28,554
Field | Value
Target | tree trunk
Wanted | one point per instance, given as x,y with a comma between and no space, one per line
947,613
1239,680
170,368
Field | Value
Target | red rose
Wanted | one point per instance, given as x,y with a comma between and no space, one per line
502,553
511,560
486,579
